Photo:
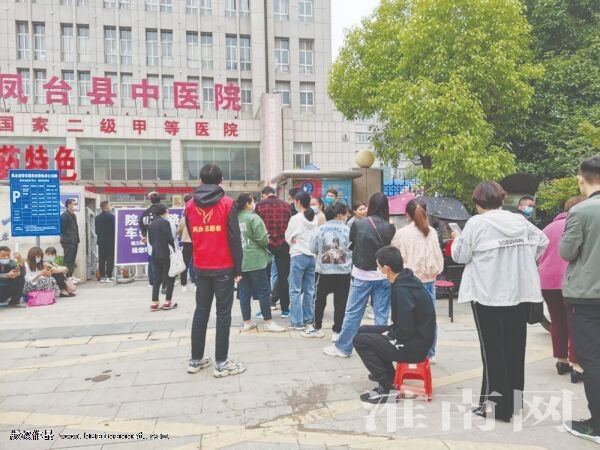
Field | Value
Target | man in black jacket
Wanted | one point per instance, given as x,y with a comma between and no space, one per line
146,219
161,237
69,235
410,336
105,230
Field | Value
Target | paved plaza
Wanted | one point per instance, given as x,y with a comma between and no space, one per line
103,364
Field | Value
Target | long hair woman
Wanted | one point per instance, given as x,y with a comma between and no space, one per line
298,235
420,249
38,277
501,280
255,240
366,236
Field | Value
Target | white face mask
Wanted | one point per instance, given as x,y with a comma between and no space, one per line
38,260
315,209
50,259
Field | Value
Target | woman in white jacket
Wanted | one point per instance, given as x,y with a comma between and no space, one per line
501,281
420,249
298,235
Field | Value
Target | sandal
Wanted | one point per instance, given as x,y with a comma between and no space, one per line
168,305
154,306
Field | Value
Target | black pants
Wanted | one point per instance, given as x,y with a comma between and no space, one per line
70,255
502,336
187,258
106,260
207,287
60,281
339,284
378,354
282,262
13,291
586,337
161,276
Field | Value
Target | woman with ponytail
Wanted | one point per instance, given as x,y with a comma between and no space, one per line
420,248
254,263
298,235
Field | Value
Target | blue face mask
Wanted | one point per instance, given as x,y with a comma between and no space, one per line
328,201
528,210
4,262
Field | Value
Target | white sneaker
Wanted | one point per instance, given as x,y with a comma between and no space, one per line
110,280
334,336
332,350
228,367
312,332
184,288
248,327
432,360
273,327
102,280
292,328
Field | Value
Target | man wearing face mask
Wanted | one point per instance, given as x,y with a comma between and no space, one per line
526,207
12,278
330,197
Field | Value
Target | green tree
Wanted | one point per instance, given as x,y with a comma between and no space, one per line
566,41
447,81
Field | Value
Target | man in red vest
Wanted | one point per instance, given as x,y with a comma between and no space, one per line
211,220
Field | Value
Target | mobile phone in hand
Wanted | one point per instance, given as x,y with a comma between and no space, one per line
454,227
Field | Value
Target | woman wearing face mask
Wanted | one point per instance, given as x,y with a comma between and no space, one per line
38,277
58,272
317,206
298,235
255,240
359,211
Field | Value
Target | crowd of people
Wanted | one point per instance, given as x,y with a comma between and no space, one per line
291,256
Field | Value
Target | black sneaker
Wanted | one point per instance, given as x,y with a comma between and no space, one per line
379,394
582,429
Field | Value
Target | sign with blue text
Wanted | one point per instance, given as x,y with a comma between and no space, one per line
34,202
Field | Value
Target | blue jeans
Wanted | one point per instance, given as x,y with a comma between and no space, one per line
430,287
302,289
360,290
273,273
254,282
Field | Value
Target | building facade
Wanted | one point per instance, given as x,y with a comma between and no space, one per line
124,96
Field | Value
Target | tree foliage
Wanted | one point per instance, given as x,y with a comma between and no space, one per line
552,195
566,40
447,81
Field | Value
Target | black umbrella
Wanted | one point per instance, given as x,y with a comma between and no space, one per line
446,208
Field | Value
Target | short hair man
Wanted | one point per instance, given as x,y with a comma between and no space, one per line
526,207
12,278
212,222
292,199
330,196
69,236
276,214
410,336
580,245
105,231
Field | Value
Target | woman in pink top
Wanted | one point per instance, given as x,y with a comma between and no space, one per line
552,272
420,249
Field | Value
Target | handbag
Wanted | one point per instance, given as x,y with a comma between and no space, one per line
536,313
41,298
177,264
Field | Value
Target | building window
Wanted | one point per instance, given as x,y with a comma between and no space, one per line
155,81
363,138
307,97
193,50
238,161
110,45
114,81
126,82
166,5
281,10
302,154
22,40
110,4
84,85
83,43
245,53
39,41
38,87
282,55
240,7
283,89
152,47
305,11
166,46
26,80
67,43
206,43
69,77
167,91
152,5
246,94
126,46
306,55
124,4
192,7
208,94
231,50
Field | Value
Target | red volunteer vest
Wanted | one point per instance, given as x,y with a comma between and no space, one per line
208,230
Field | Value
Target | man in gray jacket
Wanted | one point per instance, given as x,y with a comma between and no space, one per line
580,245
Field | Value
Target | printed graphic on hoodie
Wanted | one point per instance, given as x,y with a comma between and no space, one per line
332,253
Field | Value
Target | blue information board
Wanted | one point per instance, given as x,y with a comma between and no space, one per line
34,202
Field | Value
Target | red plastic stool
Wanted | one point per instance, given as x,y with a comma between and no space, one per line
447,288
414,371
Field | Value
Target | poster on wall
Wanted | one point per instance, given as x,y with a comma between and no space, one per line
129,248
313,187
343,187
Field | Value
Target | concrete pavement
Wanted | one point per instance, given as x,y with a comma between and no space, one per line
101,364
